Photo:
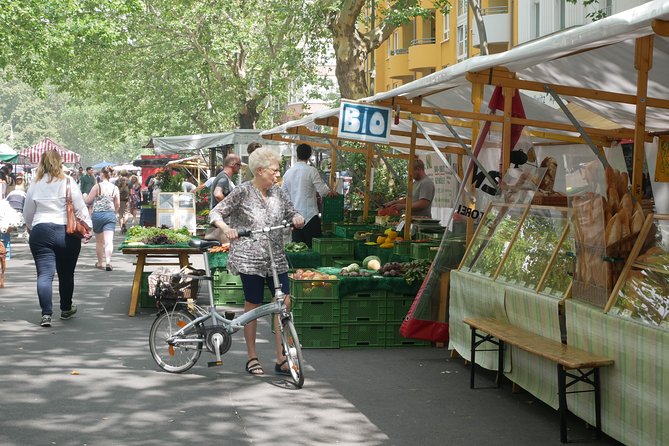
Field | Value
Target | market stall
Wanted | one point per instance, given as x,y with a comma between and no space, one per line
627,87
34,152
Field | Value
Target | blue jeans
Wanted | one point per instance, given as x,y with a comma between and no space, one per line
54,251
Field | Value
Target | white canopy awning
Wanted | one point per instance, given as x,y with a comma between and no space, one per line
239,138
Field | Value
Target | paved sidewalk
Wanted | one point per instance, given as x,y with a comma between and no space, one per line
91,381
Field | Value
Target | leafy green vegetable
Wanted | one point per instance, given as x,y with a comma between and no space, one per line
157,236
295,247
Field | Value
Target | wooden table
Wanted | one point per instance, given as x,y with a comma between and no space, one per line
161,253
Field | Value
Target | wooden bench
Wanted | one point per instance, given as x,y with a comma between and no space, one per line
566,357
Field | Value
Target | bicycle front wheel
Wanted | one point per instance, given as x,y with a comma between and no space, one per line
293,351
175,358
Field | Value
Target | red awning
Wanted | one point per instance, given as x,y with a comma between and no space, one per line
33,153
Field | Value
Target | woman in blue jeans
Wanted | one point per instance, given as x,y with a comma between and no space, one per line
105,199
53,250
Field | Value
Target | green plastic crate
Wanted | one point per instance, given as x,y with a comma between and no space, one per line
318,335
362,334
228,296
424,250
403,248
314,311
333,209
364,307
332,260
334,246
345,230
145,301
395,339
222,278
397,306
314,289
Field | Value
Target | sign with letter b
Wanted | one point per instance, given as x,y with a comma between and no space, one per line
363,122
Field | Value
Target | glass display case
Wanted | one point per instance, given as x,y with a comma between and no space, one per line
642,292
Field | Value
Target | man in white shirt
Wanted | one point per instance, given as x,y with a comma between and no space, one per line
302,182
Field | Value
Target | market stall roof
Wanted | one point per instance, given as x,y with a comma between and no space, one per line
126,167
193,143
592,65
7,154
34,152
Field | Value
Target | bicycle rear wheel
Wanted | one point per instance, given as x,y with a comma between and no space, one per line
170,357
293,351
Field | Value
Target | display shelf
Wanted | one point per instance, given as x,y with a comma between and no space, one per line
642,291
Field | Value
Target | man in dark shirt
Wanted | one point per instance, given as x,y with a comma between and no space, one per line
87,181
223,184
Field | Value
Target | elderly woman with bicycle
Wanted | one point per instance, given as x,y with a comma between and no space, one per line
254,205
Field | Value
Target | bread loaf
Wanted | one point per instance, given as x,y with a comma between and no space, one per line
613,199
613,230
625,220
623,183
637,221
626,203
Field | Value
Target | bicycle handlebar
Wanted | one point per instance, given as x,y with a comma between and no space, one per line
266,229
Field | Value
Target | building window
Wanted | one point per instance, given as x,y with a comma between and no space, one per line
396,40
447,26
462,42
536,20
389,49
462,7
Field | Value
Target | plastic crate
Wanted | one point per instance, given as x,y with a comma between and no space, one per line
222,278
395,339
314,311
228,296
402,248
318,335
334,246
332,260
333,209
314,289
364,307
424,250
397,306
365,334
344,230
145,301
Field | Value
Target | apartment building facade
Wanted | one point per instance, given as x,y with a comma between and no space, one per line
428,45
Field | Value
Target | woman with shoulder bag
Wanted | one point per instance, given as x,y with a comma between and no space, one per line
52,248
106,203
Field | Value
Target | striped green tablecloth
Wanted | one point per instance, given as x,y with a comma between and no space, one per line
472,295
635,390
538,314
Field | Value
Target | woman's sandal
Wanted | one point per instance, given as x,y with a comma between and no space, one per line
253,367
279,370
98,266
109,267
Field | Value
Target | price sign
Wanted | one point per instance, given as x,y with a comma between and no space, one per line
363,122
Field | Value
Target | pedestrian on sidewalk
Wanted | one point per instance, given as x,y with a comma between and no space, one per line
54,251
106,202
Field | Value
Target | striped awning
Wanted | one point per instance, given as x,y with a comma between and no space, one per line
33,153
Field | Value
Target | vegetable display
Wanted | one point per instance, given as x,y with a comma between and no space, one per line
295,247
157,236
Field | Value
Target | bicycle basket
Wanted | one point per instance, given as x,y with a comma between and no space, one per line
165,284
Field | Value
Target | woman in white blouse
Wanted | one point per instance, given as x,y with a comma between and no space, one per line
106,202
53,250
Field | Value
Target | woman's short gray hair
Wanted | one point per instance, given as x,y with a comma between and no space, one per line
263,157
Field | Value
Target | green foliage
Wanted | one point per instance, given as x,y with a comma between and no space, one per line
170,182
157,236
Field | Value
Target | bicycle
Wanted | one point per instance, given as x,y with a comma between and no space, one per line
183,330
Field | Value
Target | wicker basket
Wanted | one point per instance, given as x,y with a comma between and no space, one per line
172,287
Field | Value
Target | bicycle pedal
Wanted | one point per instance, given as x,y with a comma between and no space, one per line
214,363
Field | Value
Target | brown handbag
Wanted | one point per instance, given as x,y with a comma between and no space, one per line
76,227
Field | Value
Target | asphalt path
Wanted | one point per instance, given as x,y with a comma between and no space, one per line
91,381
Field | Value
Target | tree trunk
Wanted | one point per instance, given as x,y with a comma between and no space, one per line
351,55
478,19
248,115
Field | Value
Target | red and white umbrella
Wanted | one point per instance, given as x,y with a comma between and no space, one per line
33,153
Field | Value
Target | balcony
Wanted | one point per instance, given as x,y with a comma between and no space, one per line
423,54
398,65
496,20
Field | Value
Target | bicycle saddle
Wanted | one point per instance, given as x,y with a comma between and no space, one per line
203,244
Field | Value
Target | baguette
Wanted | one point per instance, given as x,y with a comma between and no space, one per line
613,230
625,220
611,177
626,203
623,183
614,199
637,221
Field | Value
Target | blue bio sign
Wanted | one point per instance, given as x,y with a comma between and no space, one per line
364,122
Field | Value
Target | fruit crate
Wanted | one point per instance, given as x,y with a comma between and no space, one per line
228,296
318,335
331,260
315,311
222,278
334,246
424,250
395,339
362,335
402,248
145,301
397,306
345,230
364,307
316,289
333,209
